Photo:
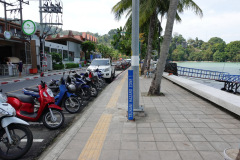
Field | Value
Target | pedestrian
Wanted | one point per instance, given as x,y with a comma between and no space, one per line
20,67
80,66
10,67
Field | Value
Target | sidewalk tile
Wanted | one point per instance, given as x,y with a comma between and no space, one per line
147,146
109,155
151,155
129,155
184,146
203,146
129,145
144,130
190,155
207,155
145,137
115,145
162,137
129,137
165,146
169,155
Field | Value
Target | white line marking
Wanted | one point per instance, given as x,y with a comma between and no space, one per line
34,140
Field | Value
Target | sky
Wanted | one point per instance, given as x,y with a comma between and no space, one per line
221,18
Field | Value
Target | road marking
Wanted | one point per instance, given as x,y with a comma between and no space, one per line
34,140
93,147
113,101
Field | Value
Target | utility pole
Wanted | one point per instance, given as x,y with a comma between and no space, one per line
135,55
49,8
5,11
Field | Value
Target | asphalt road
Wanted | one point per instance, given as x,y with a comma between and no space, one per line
43,137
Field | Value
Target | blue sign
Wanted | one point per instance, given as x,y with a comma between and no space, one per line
130,94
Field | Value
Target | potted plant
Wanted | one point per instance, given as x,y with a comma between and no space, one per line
232,154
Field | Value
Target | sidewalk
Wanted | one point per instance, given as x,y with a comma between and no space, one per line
177,126
13,79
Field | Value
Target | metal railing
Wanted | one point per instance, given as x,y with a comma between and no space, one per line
200,73
231,82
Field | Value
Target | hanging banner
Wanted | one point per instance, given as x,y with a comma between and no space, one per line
130,94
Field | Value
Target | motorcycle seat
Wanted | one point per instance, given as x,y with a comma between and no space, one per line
23,98
32,89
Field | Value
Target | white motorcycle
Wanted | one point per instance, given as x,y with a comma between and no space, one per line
15,137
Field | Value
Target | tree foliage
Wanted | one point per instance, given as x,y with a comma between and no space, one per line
215,49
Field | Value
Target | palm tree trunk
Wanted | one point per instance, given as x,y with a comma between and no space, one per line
150,39
144,65
156,82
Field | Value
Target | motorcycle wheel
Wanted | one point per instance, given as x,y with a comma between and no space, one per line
49,123
93,90
86,95
72,104
22,141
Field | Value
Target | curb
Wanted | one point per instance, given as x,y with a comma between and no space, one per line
34,77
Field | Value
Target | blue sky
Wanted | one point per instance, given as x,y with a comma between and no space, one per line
221,18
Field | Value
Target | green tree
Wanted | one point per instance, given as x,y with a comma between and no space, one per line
220,56
179,54
233,50
215,40
87,47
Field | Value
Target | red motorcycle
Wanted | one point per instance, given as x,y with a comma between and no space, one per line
50,114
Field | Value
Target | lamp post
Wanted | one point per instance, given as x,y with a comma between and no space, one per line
135,55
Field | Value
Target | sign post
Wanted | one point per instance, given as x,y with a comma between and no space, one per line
130,94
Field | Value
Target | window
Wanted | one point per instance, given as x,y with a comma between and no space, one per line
1,29
65,55
59,51
71,56
53,50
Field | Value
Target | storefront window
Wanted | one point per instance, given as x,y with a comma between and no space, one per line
65,55
53,50
71,56
59,51
1,29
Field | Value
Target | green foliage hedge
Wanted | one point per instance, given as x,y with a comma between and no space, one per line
58,66
71,65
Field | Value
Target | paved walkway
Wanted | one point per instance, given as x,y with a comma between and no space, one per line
177,126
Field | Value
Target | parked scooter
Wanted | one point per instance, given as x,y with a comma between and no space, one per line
66,96
97,79
49,113
12,133
86,80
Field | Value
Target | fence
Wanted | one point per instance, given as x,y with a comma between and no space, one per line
231,82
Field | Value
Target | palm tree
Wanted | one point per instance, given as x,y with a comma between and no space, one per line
148,13
155,85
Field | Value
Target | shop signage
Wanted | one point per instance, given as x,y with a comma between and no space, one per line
130,94
29,27
7,35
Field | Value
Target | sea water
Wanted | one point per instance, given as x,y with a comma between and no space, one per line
230,67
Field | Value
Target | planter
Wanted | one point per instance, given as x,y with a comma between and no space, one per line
33,71
230,154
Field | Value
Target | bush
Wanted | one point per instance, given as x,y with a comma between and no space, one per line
72,65
58,66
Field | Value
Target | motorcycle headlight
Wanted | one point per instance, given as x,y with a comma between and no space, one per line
50,93
7,109
107,69
3,98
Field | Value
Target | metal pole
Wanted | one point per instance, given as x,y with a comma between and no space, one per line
5,9
135,54
41,33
